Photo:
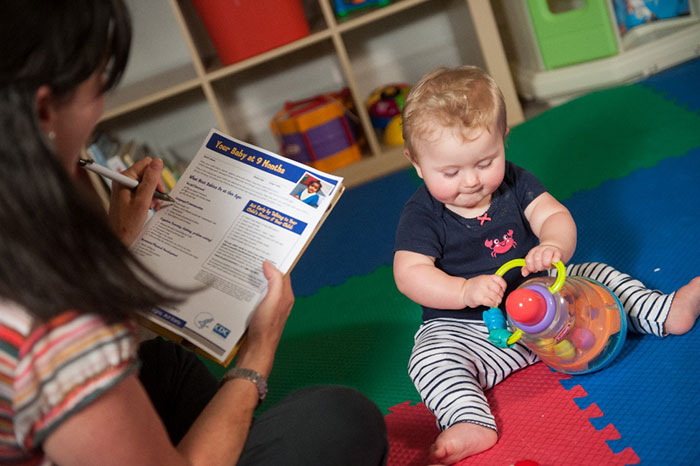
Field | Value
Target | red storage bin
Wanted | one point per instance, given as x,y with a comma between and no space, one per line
241,29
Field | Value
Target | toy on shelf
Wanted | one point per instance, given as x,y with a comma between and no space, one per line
575,325
574,35
384,106
245,28
632,13
343,7
319,131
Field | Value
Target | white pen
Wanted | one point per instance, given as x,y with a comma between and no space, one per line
118,177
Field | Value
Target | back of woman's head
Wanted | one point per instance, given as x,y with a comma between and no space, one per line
57,250
60,43
465,98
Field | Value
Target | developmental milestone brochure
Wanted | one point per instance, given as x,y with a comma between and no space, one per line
235,206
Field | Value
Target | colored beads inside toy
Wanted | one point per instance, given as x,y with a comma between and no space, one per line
582,338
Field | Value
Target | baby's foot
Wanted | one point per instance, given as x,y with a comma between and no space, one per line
684,309
462,440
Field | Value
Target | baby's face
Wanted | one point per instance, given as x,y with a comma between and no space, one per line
313,187
461,173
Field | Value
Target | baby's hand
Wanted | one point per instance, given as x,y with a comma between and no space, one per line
540,258
484,290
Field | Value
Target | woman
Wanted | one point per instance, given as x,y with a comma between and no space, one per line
74,386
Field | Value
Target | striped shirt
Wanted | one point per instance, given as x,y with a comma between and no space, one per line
51,370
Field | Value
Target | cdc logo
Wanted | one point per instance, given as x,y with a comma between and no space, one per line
221,330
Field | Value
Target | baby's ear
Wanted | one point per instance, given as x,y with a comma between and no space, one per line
407,154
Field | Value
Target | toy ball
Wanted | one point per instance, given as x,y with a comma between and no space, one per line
393,135
385,103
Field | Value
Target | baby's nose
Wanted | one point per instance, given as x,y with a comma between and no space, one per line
470,179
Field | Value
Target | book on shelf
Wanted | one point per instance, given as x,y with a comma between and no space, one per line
110,152
235,206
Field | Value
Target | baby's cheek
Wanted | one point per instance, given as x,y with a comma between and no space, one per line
441,191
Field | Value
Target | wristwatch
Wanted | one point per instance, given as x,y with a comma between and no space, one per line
248,374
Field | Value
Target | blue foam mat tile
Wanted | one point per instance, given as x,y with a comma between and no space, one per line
649,393
358,235
645,224
680,84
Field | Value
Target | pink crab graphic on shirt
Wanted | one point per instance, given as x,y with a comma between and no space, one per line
502,245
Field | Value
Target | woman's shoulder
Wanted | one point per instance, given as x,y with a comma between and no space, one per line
56,366
30,334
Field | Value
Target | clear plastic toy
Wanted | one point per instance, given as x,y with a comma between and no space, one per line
575,325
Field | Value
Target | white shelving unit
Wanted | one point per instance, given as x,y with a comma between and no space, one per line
176,88
643,50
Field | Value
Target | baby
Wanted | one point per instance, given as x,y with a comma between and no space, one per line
475,212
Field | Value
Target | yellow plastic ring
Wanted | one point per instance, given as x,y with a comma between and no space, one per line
515,336
556,286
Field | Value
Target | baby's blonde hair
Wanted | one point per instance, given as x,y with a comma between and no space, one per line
465,98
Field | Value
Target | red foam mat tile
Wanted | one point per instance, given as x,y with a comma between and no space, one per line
538,421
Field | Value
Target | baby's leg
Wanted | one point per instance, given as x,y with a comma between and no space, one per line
451,365
649,311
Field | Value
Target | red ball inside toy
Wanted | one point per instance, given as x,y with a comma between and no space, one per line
526,306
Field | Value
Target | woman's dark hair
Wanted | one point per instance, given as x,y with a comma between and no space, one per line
57,251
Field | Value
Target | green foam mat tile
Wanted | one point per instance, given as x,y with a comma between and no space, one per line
358,334
602,136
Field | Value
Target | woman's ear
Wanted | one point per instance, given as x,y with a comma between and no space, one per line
43,103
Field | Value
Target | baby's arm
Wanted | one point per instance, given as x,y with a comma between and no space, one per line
417,277
556,230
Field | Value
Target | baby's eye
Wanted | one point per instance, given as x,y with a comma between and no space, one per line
484,165
449,174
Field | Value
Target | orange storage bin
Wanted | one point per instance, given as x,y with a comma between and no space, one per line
244,28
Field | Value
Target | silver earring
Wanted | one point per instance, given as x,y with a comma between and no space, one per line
51,135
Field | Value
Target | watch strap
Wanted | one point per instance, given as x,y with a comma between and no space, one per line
247,374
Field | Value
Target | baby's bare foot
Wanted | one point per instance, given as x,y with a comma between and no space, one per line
462,440
684,309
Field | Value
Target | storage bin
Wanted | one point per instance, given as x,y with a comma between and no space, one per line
577,35
318,131
241,29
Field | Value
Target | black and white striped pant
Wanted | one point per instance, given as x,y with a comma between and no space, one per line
453,362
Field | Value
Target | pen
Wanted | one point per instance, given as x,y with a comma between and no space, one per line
118,177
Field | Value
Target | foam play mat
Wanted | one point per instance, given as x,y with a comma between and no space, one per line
626,162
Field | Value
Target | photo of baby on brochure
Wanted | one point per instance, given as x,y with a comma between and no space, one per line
308,190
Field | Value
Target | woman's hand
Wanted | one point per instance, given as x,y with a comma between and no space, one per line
128,209
267,322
